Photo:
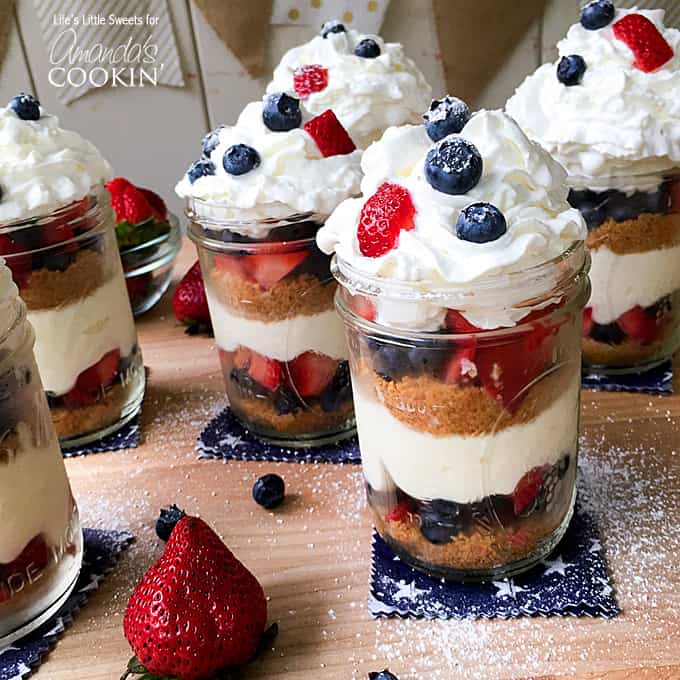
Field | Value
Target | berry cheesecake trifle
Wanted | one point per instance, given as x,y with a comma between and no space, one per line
463,275
608,111
57,236
256,199
40,537
370,84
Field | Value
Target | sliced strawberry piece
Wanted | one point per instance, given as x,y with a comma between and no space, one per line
457,323
269,269
232,264
311,373
527,488
267,372
160,210
645,41
384,215
460,367
636,323
588,323
331,138
363,307
93,380
309,79
401,512
19,264
137,286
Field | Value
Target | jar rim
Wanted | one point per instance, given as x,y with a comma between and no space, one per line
622,181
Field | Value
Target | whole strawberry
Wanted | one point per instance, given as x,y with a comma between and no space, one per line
189,301
197,611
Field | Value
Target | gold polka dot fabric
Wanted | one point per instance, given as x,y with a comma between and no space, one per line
363,15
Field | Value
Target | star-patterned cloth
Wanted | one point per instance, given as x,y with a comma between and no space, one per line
573,581
225,437
102,550
658,380
126,438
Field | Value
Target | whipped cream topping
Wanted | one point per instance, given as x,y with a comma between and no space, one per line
619,120
367,95
293,176
519,178
8,289
44,167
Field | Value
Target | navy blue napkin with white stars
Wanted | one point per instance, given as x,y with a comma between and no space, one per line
573,581
657,380
102,551
224,437
127,437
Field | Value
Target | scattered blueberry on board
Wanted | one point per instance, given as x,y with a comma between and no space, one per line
269,490
281,112
382,675
333,26
200,168
597,14
445,117
367,48
240,159
454,166
210,141
570,70
167,519
26,106
480,223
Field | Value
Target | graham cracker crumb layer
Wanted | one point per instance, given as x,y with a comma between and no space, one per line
426,404
47,289
311,420
650,231
626,354
73,422
302,295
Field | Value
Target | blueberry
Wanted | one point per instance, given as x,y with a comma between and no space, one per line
454,166
339,391
247,386
441,522
200,168
570,70
332,26
597,14
167,519
281,112
367,48
317,264
445,117
240,158
425,359
609,334
26,106
210,141
57,262
268,491
389,361
382,675
286,402
480,223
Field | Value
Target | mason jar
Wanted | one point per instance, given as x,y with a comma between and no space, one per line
468,436
41,543
632,320
281,345
68,270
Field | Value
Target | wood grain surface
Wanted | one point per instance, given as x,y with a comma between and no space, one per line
312,556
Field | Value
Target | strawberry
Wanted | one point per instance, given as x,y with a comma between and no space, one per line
401,512
269,269
19,264
588,323
197,611
460,366
241,358
137,286
331,138
382,219
311,373
649,47
158,207
93,381
636,323
265,371
457,323
527,488
363,307
675,195
309,79
129,202
189,301
231,264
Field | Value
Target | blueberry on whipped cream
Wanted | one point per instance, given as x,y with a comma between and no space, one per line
454,166
332,26
597,14
367,48
240,159
210,141
570,70
480,223
200,168
280,112
445,117
26,106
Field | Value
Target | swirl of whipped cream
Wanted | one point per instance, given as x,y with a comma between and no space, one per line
519,178
619,121
367,95
293,176
44,167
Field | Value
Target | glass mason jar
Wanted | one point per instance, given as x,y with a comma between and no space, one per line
469,437
68,270
632,321
40,538
281,345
